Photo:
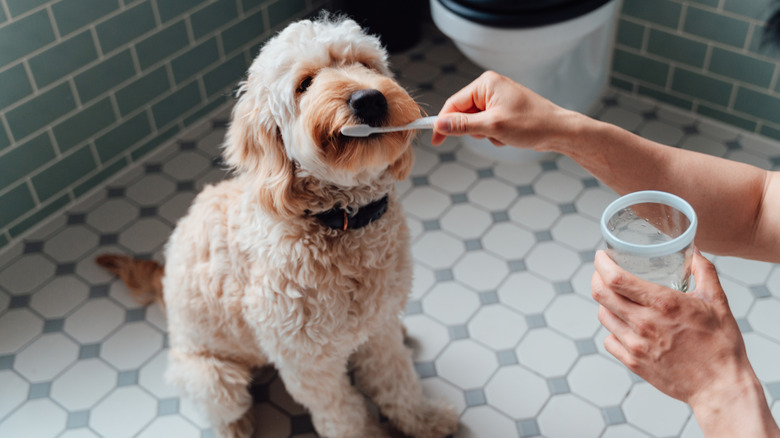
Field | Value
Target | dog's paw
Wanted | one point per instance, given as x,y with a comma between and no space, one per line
434,420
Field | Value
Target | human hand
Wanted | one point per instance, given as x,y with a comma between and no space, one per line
687,345
503,111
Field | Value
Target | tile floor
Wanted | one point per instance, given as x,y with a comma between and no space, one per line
500,318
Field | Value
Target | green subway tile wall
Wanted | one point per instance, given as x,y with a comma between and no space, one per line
87,87
707,56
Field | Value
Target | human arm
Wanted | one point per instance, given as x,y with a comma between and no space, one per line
686,345
729,197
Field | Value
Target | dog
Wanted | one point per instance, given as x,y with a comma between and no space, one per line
302,258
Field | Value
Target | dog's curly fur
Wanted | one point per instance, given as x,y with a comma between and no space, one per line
252,278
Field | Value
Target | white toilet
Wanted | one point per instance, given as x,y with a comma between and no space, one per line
561,49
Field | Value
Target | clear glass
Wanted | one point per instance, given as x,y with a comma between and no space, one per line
650,238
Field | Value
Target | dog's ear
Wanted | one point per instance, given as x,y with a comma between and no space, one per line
254,147
401,168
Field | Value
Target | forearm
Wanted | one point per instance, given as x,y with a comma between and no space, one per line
726,195
737,409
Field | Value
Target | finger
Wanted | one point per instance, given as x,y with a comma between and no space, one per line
622,282
613,323
706,277
616,348
614,302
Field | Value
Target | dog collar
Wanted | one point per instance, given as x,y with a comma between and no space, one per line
339,219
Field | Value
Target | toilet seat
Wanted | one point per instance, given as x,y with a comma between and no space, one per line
520,14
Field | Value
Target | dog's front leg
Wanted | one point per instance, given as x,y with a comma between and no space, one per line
337,409
385,372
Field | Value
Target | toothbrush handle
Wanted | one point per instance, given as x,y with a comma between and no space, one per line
424,123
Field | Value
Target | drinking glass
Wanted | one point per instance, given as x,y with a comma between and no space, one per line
650,234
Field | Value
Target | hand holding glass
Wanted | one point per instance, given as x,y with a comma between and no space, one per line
650,234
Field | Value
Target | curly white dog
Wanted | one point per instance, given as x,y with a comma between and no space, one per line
302,260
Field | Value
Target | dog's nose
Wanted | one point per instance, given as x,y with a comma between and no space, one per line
370,106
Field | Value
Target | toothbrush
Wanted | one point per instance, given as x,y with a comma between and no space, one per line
365,130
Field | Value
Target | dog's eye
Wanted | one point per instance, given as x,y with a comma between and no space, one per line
304,85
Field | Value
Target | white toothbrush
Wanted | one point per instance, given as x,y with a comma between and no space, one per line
365,130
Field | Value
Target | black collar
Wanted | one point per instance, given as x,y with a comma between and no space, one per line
339,219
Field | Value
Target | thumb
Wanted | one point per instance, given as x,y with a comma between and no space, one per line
458,124
706,277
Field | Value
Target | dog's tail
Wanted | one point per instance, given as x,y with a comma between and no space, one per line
143,277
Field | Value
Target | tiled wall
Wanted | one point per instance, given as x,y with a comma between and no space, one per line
89,86
702,55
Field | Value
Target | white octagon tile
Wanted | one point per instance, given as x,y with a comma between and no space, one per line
425,203
81,386
558,186
546,352
152,377
186,165
172,426
36,418
773,282
121,293
477,160
497,327
764,355
573,316
654,412
18,326
534,213
492,194
453,177
151,189
526,293
401,187
71,243
123,413
508,240
745,271
176,207
59,297
450,303
424,161
765,318
594,201
577,232
94,320
580,281
437,249
480,270
415,227
582,419
553,261
466,221
46,357
428,337
26,274
131,345
438,389
692,429
466,364
188,410
599,380
15,391
112,215
422,280
484,421
522,173
661,132
93,273
145,236
619,116
517,392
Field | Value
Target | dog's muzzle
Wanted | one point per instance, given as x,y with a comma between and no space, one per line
369,106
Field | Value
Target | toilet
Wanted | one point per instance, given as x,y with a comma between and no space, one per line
561,49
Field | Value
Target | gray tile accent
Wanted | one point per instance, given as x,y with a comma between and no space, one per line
420,181
567,208
99,291
148,211
613,415
587,256
425,369
447,157
733,145
89,351
516,266
744,325
7,362
563,287
774,390
53,325
459,198
77,419
549,165
590,183
488,297
691,130
39,390
475,397
528,428
153,168
444,275
109,239
431,225
185,186
116,192
33,247
760,291
525,190
485,173
66,269
500,216
473,245
536,321
558,385
414,308
168,406
506,357
19,301
134,315
586,346
458,332
543,236
76,219
127,378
